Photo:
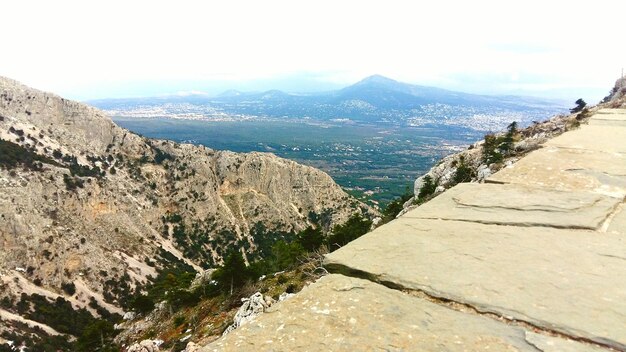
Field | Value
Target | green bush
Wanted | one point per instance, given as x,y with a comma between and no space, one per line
580,105
355,227
69,288
92,334
95,337
142,304
72,183
285,255
12,155
179,320
464,173
395,207
233,274
491,151
428,188
310,238
496,148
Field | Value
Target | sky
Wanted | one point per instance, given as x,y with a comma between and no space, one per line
100,49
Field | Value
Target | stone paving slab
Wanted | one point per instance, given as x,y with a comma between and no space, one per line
610,112
340,313
565,169
520,205
617,225
571,281
609,139
609,117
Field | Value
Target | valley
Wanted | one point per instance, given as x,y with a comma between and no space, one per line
374,163
373,137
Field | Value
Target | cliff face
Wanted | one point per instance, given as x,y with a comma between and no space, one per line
617,96
90,203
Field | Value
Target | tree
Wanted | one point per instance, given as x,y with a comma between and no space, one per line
463,173
352,229
233,273
512,128
69,288
580,105
96,337
507,143
491,149
311,238
428,188
285,255
142,304
395,207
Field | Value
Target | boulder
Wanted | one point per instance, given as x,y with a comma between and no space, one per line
252,307
192,347
483,172
146,346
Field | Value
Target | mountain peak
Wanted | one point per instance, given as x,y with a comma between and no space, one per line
378,79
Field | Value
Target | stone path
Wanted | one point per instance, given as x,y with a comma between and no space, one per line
532,260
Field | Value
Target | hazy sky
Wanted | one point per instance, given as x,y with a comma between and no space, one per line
94,49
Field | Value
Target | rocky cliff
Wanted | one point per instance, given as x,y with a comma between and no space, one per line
91,212
497,151
617,95
477,163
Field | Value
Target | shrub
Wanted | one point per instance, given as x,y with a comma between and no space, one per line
12,155
160,156
464,173
584,113
491,151
352,229
179,320
285,255
233,274
395,207
94,337
428,189
310,238
69,288
142,304
580,105
72,183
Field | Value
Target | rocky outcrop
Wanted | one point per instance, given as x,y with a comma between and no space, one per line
145,346
104,208
251,308
617,95
444,173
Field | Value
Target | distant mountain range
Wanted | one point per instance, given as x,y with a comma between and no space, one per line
373,99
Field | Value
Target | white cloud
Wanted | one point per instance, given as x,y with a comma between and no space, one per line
66,46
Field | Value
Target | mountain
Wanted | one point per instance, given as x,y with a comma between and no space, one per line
375,99
92,213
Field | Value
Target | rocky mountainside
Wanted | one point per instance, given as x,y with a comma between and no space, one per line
90,212
617,95
497,151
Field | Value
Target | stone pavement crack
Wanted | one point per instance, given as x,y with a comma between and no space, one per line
607,222
467,308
